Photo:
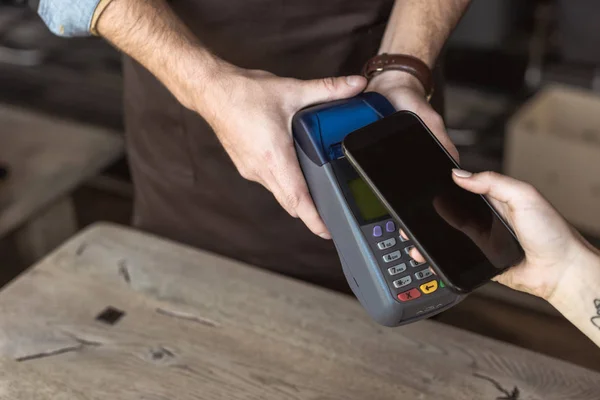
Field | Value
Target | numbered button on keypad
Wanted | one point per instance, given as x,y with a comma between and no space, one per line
392,256
398,269
426,273
404,281
414,263
386,244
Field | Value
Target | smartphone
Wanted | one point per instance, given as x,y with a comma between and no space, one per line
460,234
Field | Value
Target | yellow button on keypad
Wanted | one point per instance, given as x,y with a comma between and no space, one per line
429,287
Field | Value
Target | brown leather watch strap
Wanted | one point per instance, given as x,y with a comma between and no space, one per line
400,62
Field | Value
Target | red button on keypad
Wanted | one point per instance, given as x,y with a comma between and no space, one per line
409,295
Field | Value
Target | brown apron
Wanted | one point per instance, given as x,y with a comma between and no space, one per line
186,187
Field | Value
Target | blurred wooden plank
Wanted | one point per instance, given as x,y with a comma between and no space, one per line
92,96
32,385
48,158
41,235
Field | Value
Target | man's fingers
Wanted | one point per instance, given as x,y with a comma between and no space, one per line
413,253
500,187
308,213
416,255
329,89
271,184
299,204
293,192
435,123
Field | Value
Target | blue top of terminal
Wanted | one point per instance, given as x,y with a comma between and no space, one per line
319,131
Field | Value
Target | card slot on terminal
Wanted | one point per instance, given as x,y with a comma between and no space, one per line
336,152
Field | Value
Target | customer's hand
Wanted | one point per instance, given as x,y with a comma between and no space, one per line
560,266
251,113
551,245
488,234
405,92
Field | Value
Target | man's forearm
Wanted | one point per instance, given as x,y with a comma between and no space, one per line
421,27
152,34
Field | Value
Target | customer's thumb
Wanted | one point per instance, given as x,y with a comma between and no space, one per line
500,187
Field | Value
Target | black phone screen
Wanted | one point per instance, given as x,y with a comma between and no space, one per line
458,231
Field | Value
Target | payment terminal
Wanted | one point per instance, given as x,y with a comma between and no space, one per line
393,288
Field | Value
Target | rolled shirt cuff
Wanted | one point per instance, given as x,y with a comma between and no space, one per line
71,18
99,10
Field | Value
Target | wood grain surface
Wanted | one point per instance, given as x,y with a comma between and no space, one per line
198,326
48,157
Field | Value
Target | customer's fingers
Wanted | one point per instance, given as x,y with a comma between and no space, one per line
500,187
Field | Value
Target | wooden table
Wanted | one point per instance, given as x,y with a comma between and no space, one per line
198,326
48,158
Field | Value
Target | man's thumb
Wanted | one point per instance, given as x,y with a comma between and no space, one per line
329,89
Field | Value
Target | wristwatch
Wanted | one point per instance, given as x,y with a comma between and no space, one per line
400,62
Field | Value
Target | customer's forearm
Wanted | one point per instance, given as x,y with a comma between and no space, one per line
577,296
421,27
152,34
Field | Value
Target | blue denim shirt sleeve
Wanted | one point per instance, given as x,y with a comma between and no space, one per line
68,17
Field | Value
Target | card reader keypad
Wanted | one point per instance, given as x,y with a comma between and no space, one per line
407,279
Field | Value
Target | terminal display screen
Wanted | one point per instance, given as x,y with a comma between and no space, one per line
368,204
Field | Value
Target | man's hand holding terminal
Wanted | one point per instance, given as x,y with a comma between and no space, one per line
251,111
